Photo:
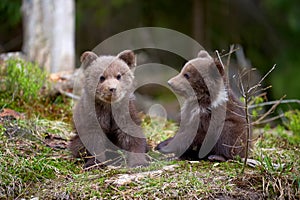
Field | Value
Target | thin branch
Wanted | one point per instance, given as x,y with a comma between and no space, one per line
243,90
225,69
68,94
254,87
261,90
226,54
262,79
248,132
269,111
229,55
275,102
232,146
239,105
269,120
235,113
227,65
71,95
246,72
259,95
217,52
256,138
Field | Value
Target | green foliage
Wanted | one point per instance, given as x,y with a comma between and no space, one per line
284,18
23,87
256,112
158,129
2,130
21,83
10,12
293,123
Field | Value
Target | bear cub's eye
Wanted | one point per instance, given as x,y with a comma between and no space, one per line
118,76
102,78
186,76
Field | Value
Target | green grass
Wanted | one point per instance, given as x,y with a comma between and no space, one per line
24,86
29,168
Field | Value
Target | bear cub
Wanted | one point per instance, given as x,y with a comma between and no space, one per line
105,118
202,83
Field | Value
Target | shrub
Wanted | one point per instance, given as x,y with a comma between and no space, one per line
20,83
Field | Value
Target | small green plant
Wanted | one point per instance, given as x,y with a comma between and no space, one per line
2,130
279,163
24,87
293,123
290,130
21,83
256,112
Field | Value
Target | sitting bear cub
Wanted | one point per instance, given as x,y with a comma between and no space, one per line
209,106
105,117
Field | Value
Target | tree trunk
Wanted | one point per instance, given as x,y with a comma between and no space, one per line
49,33
199,22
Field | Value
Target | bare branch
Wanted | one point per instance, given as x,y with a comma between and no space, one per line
261,90
229,55
269,120
263,78
246,72
68,94
275,102
248,131
243,90
235,113
217,52
254,87
269,111
232,146
256,138
226,54
259,95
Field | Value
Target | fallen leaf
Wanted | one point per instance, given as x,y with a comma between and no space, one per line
6,112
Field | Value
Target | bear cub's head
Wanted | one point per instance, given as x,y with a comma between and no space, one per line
202,79
108,78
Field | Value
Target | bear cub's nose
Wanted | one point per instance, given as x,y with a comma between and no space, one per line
112,89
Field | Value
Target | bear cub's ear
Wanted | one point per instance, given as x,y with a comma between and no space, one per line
87,58
128,57
204,54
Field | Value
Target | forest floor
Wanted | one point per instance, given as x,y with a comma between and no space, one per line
35,163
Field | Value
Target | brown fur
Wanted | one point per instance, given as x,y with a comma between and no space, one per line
232,140
107,93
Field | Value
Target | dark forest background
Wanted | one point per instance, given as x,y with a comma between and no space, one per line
268,30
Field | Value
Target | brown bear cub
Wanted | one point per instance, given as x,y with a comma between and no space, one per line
213,124
105,117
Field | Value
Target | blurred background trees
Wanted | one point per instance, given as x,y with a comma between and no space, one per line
268,30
